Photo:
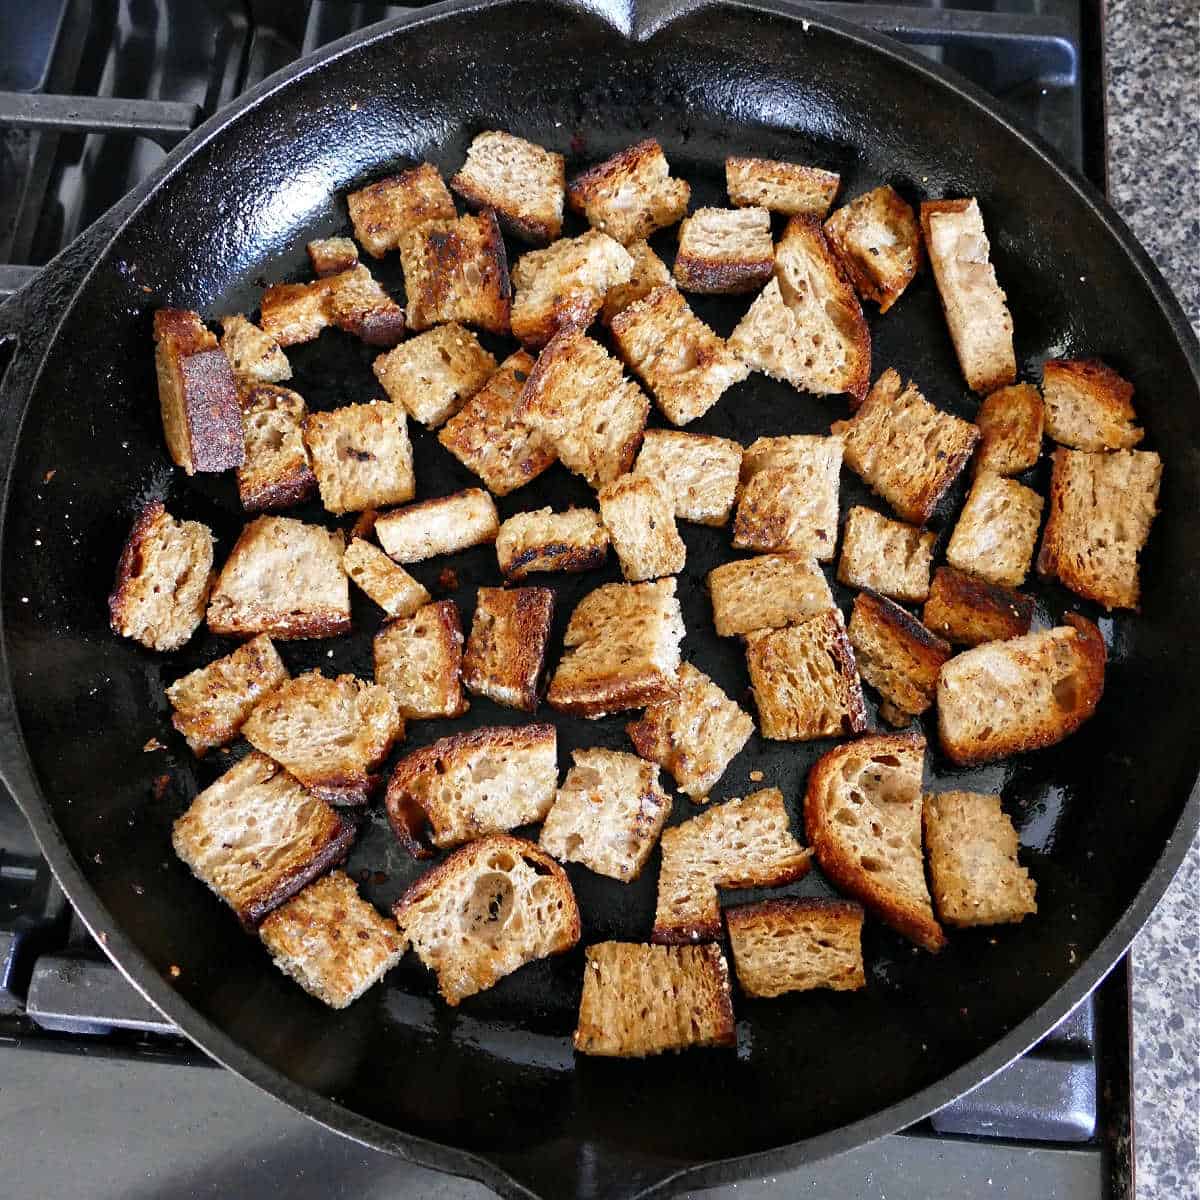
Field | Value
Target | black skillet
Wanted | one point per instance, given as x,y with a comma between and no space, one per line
492,1090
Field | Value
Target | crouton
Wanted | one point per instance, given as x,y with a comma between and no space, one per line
256,837
163,580
329,733
197,393
724,250
878,240
1032,691
804,680
630,195
520,180
361,456
434,374
358,305
419,660
768,591
292,313
997,530
282,578
507,647
782,187
211,705
457,270
255,356
694,736
639,514
885,556
968,611
563,286
639,1000
700,472
649,272
442,526
896,655
276,472
974,303
491,907
862,812
1010,430
608,814
577,398
390,586
796,945
1101,510
621,650
332,256
905,449
741,843
571,541
1088,406
385,213
685,365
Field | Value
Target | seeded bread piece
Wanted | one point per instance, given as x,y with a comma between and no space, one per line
276,472
212,704
491,907
506,651
256,837
905,449
700,471
358,305
741,843
621,650
695,736
442,526
163,580
608,814
520,180
649,273
768,591
1101,510
878,240
434,374
862,812
385,213
292,313
361,456
1010,430
1088,406
332,256
529,542
255,356
783,187
630,195
886,556
419,660
331,941
639,514
389,585
725,250
997,530
968,611
640,1000
796,945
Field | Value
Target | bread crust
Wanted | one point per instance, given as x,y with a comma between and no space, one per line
642,169
385,213
276,472
506,651
742,259
1089,406
878,242
332,255
968,611
783,187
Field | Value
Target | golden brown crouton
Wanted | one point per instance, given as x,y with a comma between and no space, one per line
1010,430
968,611
276,472
520,180
767,591
1088,406
358,305
255,356
385,213
725,250
885,556
419,660
649,272
389,585
639,514
878,240
332,256
997,530
507,647
700,471
442,526
434,374
292,313
529,542
630,195
782,187
361,456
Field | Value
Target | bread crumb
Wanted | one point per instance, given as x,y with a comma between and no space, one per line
447,580
756,776
50,474
174,971
152,745
160,786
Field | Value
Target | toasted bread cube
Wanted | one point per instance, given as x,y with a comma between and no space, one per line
1007,697
973,864
211,705
419,660
862,813
358,305
649,272
385,213
905,449
255,356
796,945
1088,406
1101,510
523,182
885,556
969,611
685,365
579,400
974,303
293,313
607,815
621,650
276,472
700,471
630,195
457,270
332,256
768,591
282,578
997,530
163,580
442,526
389,585
639,514
197,393
782,187
507,647
639,1000
1010,430
434,374
695,736
256,837
491,907
571,541
878,240
739,844
896,655
725,250
361,456
563,286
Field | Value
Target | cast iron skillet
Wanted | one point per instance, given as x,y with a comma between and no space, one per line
492,1090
